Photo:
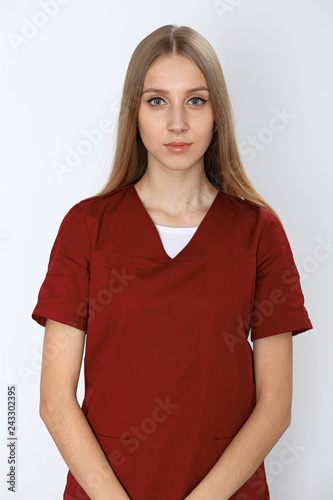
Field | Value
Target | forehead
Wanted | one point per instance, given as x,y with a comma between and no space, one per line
173,69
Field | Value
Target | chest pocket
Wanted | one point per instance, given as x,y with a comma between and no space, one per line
213,282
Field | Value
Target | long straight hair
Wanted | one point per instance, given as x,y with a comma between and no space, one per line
222,162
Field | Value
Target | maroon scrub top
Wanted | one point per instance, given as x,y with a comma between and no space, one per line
168,368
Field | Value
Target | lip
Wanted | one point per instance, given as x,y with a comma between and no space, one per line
178,146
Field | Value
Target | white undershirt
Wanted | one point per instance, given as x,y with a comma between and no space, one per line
174,239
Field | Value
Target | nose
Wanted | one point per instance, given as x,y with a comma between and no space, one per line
177,119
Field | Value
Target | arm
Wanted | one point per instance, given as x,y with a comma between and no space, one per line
264,427
63,417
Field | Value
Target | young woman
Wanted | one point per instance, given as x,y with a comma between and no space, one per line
162,276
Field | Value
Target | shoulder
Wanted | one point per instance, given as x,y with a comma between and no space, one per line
95,202
94,206
86,216
248,212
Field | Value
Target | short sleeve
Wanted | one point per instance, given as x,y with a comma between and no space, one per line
64,293
279,302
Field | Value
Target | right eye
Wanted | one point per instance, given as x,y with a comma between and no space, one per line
154,99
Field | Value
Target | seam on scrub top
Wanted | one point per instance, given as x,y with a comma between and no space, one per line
85,225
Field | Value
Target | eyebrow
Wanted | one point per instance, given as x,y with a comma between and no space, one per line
166,92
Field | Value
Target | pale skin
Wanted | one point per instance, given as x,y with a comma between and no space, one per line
266,424
175,192
63,417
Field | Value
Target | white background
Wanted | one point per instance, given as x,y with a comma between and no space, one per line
67,77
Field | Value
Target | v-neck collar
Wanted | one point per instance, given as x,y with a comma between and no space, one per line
159,245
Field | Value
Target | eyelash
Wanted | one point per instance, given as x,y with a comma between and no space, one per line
153,98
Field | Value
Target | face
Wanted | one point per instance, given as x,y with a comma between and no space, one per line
175,114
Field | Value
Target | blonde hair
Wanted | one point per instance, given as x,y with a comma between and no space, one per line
222,162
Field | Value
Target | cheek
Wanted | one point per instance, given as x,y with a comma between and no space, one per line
150,137
148,130
151,133
203,133
144,118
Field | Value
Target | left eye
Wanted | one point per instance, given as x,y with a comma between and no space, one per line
160,99
198,99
